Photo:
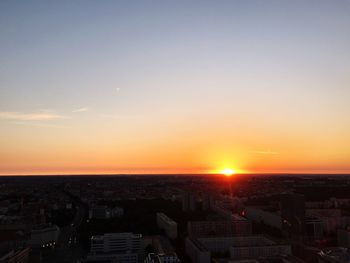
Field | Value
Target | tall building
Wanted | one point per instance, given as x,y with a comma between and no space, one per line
293,213
168,225
115,247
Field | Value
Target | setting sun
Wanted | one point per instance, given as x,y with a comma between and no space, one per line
228,172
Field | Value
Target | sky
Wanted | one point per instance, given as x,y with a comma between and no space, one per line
174,86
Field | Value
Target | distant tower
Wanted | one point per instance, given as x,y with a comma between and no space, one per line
293,213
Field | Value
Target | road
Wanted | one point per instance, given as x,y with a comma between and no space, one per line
68,248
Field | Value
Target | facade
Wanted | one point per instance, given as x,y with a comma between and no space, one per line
197,251
241,226
15,256
332,219
256,251
188,202
343,236
115,247
314,228
162,258
44,236
103,212
167,224
334,255
239,248
237,226
259,215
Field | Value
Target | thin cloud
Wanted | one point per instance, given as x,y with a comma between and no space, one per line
266,152
45,125
84,109
34,116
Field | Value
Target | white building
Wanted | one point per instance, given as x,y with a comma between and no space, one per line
44,235
116,247
168,225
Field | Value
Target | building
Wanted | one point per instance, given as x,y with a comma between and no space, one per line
197,251
255,247
15,256
239,226
115,247
209,228
44,236
103,212
236,248
332,219
162,258
334,255
188,202
168,225
293,213
343,236
259,215
314,228
208,202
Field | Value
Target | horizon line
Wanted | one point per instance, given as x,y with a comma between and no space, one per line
179,174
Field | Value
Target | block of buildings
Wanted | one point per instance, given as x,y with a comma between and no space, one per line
45,235
168,225
115,247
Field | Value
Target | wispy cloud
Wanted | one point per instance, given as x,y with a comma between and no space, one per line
266,152
36,124
81,109
32,116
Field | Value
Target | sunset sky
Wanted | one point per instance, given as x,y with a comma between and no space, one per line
174,86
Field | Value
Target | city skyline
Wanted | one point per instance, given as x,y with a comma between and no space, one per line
174,87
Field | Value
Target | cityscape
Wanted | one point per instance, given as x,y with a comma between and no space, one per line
188,218
172,131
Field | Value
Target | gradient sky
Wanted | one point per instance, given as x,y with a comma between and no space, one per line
174,86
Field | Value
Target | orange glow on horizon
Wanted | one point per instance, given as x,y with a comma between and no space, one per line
228,172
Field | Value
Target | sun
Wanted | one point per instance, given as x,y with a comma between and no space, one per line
228,172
